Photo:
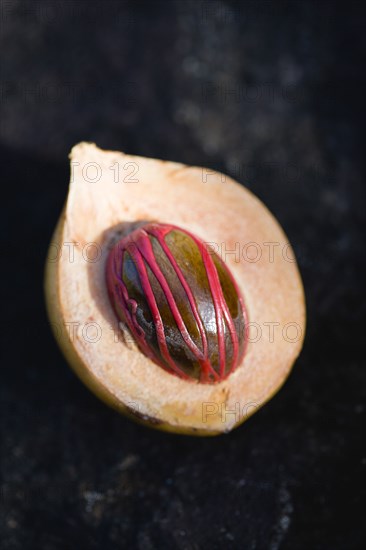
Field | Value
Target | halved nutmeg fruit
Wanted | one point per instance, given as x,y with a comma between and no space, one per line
172,291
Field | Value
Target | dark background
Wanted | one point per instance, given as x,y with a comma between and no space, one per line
270,93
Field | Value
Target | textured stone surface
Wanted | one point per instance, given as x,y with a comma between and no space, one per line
272,95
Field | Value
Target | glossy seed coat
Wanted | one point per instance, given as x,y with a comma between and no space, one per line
179,301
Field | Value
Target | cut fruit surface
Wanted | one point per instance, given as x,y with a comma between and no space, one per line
112,194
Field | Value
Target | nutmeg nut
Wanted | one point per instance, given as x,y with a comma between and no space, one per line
179,300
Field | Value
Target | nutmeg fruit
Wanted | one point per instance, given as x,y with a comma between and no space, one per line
172,292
